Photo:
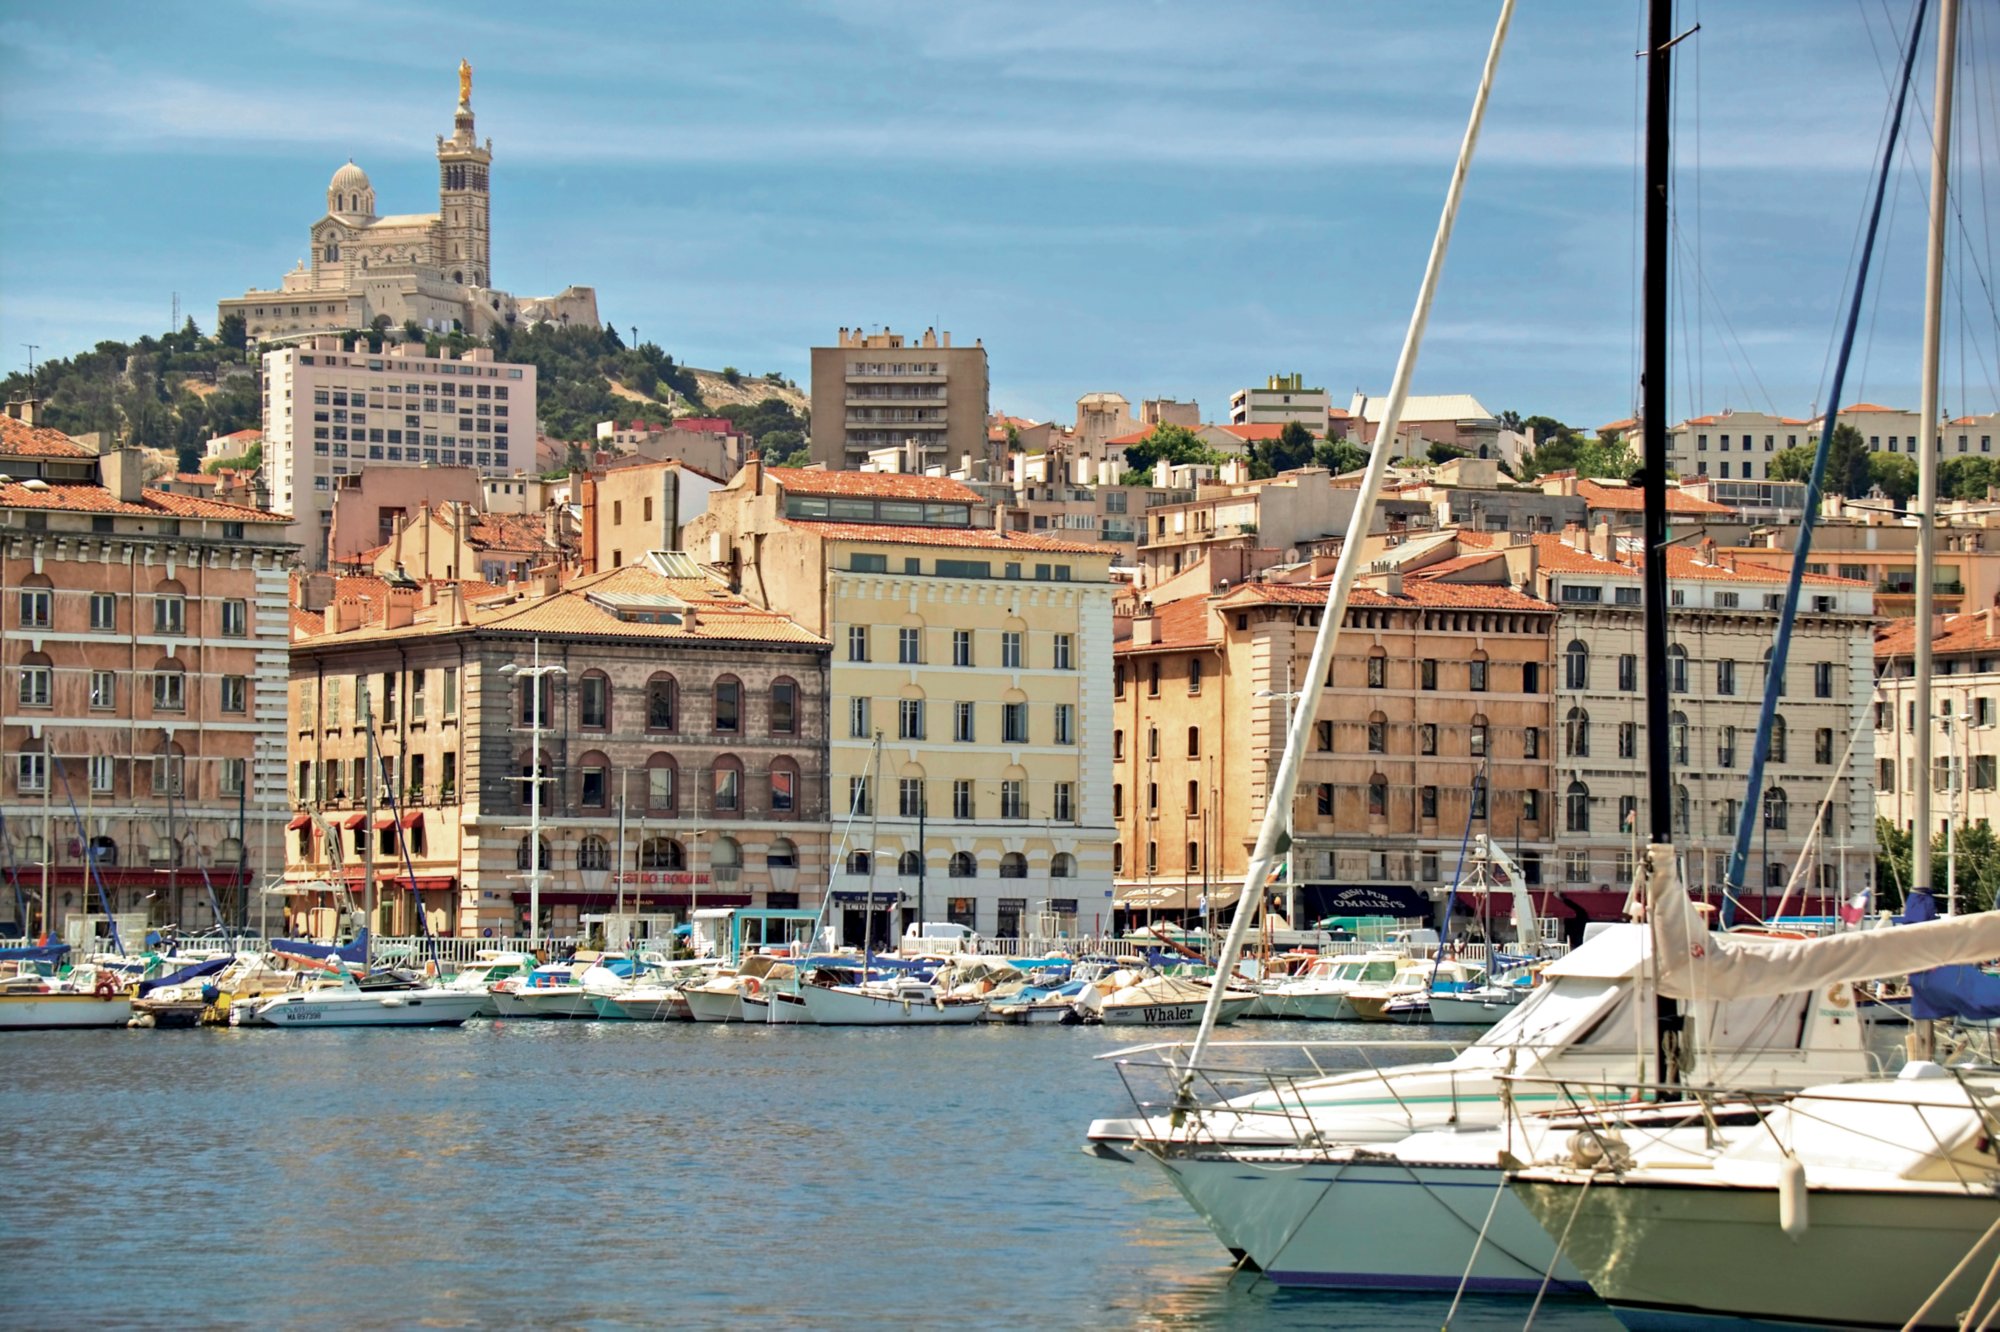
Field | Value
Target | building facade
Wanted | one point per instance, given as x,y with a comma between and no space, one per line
141,718
330,411
1283,398
1964,719
970,750
432,270
881,390
681,762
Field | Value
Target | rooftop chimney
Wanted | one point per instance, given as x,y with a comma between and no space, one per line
1142,626
123,472
24,410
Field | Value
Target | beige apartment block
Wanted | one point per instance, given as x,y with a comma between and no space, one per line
1281,513
627,511
1731,445
330,411
1723,617
1964,721
368,504
881,390
681,763
1433,720
1283,398
141,716
1876,543
981,660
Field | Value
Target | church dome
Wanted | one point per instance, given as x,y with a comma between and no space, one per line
349,192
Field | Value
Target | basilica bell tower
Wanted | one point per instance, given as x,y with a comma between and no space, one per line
464,195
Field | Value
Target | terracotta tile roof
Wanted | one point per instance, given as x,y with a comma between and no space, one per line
1416,592
1554,555
509,531
1457,564
194,479
976,538
306,623
250,433
1868,407
1126,441
1177,624
60,497
1600,496
891,485
1256,430
20,440
1629,423
1339,414
1001,421
1974,631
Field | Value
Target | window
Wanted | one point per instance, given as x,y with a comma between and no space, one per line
1010,653
1576,807
169,614
103,690
659,784
728,705
1194,675
1014,723
961,724
909,646
104,772
1725,747
857,642
1477,670
1725,676
1677,669
1777,811
1983,772
537,699
727,785
236,618
1822,679
1427,673
1778,740
1479,799
1531,677
1065,723
658,853
1378,670
1531,742
909,719
593,853
169,689
592,789
31,772
35,603
857,719
1479,738
1007,921
1576,734
1324,803
1576,665
1531,806
169,772
1117,800
36,685
1378,796
961,648
910,797
1378,734
1677,737
235,693
961,799
1065,659
593,706
103,610
1323,736
1153,680
1065,803
451,691
784,788
857,795
662,703
1628,672
1823,745
1013,799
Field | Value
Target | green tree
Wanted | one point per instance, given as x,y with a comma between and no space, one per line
1895,474
1293,448
1792,464
231,332
1606,457
1177,444
1967,478
731,375
1444,453
1340,456
1978,865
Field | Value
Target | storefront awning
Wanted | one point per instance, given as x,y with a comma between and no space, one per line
1372,899
413,818
423,883
884,897
354,820
299,821
1178,896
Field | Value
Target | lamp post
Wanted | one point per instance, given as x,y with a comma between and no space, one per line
535,676
1955,766
1291,699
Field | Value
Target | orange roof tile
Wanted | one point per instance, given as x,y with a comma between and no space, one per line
1629,423
1256,430
1126,441
1457,564
1973,631
979,538
1177,624
893,485
79,497
1554,555
1600,496
21,440
1868,407
1416,592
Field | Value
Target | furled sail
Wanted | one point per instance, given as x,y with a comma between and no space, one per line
1693,963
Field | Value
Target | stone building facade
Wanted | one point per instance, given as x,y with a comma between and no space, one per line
682,759
141,716
882,390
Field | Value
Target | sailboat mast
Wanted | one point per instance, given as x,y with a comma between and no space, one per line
1927,455
1653,411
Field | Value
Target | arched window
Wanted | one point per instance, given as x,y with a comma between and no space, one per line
104,851
858,862
662,853
1577,808
1194,742
521,854
1677,736
1777,738
909,864
663,697
784,706
662,784
1193,856
963,866
593,701
728,705
1118,857
1378,795
593,853
726,784
725,860
1677,669
1681,819
1378,733
782,855
1777,810
1062,866
169,685
1576,734
784,786
1576,665
1013,865
593,780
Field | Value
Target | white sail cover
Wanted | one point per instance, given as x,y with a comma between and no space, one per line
1694,963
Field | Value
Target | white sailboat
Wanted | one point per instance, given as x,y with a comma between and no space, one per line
903,1002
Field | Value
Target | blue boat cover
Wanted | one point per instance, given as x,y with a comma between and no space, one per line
34,953
1948,992
185,974
356,951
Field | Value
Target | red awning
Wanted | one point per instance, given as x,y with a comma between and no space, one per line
413,818
298,821
354,820
424,883
384,821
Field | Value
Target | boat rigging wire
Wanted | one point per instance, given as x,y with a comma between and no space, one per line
1278,805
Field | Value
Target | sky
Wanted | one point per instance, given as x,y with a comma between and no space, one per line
1149,197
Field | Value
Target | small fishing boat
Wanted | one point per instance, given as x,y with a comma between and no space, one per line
1135,999
1319,993
487,969
903,1002
554,991
1405,997
346,1004
86,997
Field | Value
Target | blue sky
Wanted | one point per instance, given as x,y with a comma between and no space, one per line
1154,198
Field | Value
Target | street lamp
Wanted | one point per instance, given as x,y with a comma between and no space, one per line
1954,783
534,676
1291,698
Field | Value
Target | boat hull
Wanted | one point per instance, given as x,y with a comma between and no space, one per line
360,1008
1685,1255
1461,1011
1316,1007
667,1007
1178,1013
839,1006
55,1012
563,1002
782,1007
714,1005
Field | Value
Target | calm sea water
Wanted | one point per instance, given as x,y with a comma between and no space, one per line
600,1174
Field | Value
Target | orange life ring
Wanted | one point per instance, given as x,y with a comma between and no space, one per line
106,987
751,985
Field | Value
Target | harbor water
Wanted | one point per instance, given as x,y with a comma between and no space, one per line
597,1174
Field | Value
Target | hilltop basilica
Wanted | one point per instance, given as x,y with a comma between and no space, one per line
433,269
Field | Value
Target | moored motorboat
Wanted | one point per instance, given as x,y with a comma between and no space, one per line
348,1005
1157,1001
904,1002
83,999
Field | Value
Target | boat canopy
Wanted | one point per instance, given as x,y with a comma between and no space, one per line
34,953
356,951
186,974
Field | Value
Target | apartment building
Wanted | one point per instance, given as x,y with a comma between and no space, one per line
682,752
1876,543
1723,616
970,749
329,411
881,390
1964,719
1434,720
1283,398
1731,445
141,716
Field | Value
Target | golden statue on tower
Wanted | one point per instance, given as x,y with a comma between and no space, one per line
464,83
